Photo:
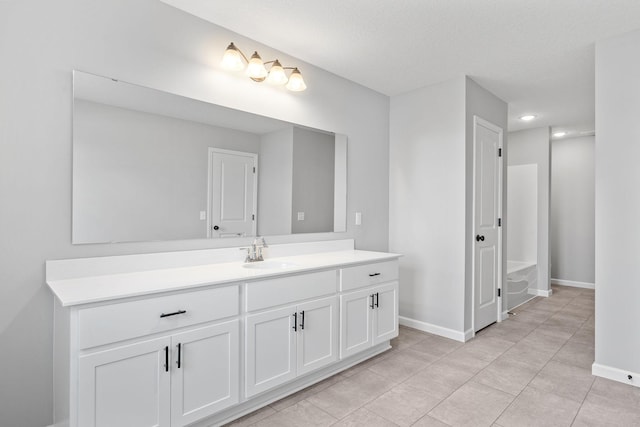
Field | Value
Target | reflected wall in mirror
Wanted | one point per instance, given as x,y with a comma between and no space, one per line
151,165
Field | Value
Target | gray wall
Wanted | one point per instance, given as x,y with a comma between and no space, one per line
314,157
618,206
532,146
152,44
427,202
161,169
573,210
275,169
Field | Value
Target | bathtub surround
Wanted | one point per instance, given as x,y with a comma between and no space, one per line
527,147
153,44
431,188
617,202
573,212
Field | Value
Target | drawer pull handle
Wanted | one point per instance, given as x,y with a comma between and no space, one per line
295,321
374,274
372,296
166,358
179,356
173,314
377,299
302,320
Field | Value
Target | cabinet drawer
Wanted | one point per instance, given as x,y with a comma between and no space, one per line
120,321
284,290
369,274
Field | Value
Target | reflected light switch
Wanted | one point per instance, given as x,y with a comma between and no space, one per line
358,218
300,216
203,215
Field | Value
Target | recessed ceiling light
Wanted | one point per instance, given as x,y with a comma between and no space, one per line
528,117
559,134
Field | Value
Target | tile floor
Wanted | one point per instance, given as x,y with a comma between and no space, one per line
533,369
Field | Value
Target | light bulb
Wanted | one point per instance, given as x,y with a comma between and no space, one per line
296,82
256,69
527,118
232,59
277,76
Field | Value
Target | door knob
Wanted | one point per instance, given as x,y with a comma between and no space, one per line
479,238
215,227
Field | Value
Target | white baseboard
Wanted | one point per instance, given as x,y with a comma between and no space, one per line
574,284
616,374
437,330
540,292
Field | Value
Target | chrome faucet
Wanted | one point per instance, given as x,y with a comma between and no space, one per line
254,251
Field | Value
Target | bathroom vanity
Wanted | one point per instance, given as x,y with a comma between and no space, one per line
201,338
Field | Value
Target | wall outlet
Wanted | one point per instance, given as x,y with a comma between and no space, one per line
358,218
300,216
203,215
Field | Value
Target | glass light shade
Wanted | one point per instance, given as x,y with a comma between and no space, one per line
277,76
256,69
296,82
232,59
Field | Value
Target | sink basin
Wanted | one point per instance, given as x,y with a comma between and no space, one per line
269,265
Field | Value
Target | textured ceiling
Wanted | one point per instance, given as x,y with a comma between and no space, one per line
538,55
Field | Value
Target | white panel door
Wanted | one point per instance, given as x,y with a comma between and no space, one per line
317,334
232,193
206,380
356,309
487,210
385,317
270,349
126,386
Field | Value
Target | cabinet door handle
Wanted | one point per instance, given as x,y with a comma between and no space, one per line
173,314
295,321
302,319
166,358
377,299
372,296
374,274
179,354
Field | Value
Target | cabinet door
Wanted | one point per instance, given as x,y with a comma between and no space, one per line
317,334
355,322
270,349
385,318
206,380
127,386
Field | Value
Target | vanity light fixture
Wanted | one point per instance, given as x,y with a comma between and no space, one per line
235,60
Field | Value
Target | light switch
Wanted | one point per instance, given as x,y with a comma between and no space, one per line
358,218
300,216
203,215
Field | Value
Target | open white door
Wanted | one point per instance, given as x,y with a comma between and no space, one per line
487,211
232,193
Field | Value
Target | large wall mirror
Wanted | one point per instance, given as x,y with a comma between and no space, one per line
151,165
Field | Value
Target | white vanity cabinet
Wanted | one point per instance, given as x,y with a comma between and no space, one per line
368,315
158,361
200,345
286,342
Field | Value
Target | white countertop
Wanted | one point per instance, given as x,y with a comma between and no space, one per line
91,289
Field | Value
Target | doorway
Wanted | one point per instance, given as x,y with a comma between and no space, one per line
232,195
487,222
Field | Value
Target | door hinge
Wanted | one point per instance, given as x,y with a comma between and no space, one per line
254,169
253,217
499,293
499,222
499,152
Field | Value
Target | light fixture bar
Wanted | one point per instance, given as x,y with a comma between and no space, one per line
233,59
